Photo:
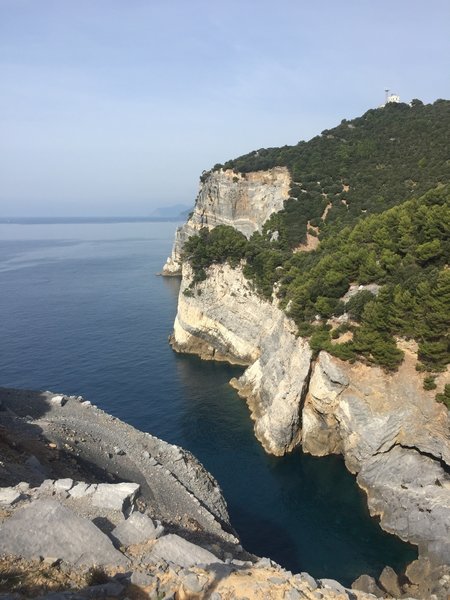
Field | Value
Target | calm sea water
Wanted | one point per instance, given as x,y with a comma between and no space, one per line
82,312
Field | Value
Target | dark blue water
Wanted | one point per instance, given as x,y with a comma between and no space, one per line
82,312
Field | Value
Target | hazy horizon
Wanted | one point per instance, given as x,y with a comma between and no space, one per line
113,109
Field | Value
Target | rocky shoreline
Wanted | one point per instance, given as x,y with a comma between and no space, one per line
92,508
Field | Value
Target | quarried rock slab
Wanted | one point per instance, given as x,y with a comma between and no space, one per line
174,549
46,528
115,496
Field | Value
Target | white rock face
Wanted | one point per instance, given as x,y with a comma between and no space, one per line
391,432
243,201
394,435
226,320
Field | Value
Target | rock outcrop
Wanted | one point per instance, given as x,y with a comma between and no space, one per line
66,538
243,201
84,443
394,436
391,432
225,320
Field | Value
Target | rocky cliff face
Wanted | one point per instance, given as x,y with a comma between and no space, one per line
391,432
225,320
243,201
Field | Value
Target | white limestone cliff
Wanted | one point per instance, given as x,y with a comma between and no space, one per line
225,320
243,201
391,432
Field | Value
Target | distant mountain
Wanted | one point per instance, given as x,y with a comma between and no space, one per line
175,210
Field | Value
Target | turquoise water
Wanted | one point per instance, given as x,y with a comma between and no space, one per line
82,312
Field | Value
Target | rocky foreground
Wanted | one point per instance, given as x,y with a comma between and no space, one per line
92,508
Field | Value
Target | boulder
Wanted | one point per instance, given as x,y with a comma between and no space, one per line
46,528
418,571
138,528
8,496
58,400
367,584
174,549
331,584
115,496
389,582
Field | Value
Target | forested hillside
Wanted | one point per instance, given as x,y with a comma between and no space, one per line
362,166
385,180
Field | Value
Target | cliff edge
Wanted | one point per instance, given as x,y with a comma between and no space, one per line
391,432
243,201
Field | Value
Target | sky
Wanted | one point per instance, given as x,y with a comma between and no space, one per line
115,107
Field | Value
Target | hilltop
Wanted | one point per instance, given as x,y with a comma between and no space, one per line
368,210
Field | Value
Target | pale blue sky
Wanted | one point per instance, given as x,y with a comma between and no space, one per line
113,107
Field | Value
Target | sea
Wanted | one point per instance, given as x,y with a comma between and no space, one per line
83,311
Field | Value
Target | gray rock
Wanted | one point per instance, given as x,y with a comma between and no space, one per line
80,490
367,584
192,583
34,464
46,528
389,582
46,486
418,571
141,579
138,528
216,596
58,400
308,579
439,552
277,580
331,584
23,487
115,496
51,561
174,549
63,485
112,589
8,496
292,594
241,563
264,563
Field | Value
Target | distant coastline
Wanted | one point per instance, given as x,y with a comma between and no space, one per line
86,220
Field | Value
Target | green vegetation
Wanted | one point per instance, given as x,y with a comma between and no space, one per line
445,396
429,383
362,166
393,230
222,244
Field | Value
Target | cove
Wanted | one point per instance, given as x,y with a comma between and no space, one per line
83,313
